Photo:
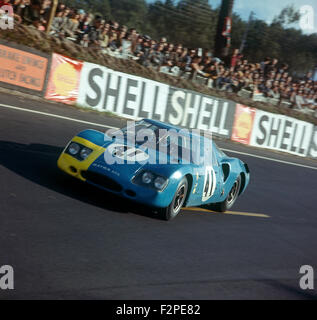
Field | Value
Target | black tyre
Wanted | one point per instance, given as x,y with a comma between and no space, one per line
177,203
230,200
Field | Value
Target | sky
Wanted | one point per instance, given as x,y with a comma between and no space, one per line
268,9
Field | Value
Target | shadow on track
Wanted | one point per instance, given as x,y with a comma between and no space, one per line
38,163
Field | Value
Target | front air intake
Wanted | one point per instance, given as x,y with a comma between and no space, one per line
102,181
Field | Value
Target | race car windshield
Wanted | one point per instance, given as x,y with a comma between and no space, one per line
165,141
220,152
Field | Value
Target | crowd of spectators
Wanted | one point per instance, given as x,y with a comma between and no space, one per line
268,80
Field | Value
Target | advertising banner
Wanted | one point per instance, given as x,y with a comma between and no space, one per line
23,69
313,145
122,94
134,97
197,111
64,79
282,133
243,124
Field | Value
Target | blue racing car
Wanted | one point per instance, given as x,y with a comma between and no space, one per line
159,165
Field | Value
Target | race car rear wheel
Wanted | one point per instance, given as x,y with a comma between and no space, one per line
177,203
230,200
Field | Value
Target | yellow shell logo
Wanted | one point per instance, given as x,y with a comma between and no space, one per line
244,125
65,79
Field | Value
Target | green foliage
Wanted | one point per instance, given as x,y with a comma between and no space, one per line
101,7
190,22
287,16
130,13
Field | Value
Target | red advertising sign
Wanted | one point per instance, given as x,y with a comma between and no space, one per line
243,124
227,27
22,69
64,79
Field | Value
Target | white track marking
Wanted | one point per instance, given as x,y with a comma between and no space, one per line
57,116
269,159
110,127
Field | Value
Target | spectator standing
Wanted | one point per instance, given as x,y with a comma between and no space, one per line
235,58
187,61
156,57
104,41
94,35
45,11
70,26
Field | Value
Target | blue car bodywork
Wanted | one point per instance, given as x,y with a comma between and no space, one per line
206,184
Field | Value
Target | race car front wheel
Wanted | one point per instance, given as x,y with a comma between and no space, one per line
231,198
177,203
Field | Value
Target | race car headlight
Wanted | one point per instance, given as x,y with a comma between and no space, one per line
85,152
160,183
147,177
78,151
74,148
151,180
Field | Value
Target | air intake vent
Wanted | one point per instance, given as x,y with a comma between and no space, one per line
101,180
226,171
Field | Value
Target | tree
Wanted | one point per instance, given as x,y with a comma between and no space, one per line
130,13
101,7
199,23
280,41
163,19
287,16
189,22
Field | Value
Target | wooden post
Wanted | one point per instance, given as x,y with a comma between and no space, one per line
52,15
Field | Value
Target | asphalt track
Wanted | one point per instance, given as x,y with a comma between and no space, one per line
67,240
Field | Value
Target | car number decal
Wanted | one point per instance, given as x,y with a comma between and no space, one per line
127,153
209,184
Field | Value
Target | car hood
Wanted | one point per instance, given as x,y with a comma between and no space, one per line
125,159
